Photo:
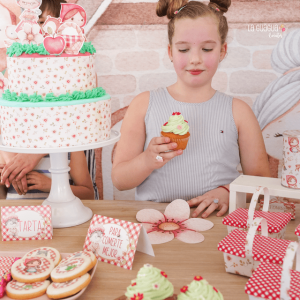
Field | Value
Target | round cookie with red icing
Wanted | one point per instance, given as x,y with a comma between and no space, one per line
71,268
48,252
85,253
65,289
32,269
25,290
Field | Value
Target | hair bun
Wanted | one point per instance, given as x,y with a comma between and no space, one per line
168,7
222,5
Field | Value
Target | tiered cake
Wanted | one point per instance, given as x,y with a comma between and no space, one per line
53,100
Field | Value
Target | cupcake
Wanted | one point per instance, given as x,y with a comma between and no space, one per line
199,289
177,129
150,284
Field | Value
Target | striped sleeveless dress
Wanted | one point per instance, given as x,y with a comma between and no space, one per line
212,154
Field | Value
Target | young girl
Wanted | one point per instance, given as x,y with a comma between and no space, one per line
73,13
223,129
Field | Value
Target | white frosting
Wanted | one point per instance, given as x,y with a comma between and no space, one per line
51,74
59,126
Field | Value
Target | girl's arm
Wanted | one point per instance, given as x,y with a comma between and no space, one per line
254,158
83,186
131,164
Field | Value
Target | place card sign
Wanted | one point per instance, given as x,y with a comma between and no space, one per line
115,241
21,223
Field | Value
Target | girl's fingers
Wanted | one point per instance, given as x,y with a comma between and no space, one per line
195,201
210,209
160,140
32,187
165,147
201,207
223,210
170,155
24,184
15,185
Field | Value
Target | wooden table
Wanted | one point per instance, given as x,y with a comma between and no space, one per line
179,260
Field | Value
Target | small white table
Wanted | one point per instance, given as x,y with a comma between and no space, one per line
247,184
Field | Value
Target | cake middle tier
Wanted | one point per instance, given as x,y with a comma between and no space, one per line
41,75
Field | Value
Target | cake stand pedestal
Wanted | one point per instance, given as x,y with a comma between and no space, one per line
67,210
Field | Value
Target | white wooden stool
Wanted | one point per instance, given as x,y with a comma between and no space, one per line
247,184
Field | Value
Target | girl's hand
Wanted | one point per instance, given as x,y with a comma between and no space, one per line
207,201
38,181
158,147
20,186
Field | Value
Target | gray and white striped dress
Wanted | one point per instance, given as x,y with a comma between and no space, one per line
212,154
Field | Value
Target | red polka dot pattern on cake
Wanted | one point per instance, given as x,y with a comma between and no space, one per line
297,231
264,248
276,220
265,283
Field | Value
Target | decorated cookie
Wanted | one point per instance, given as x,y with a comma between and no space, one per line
71,268
22,290
85,253
47,252
32,269
65,289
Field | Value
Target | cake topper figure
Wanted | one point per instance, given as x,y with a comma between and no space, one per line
294,144
73,13
32,264
96,235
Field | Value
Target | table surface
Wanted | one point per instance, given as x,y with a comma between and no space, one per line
179,260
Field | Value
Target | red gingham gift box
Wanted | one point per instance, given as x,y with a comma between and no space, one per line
244,251
297,232
241,218
270,281
279,204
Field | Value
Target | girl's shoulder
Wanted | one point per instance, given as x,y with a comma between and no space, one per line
139,104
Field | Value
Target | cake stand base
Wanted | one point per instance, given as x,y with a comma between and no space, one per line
68,214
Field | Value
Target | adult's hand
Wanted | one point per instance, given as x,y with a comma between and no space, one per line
19,166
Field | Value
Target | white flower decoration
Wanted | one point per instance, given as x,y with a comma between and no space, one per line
3,83
30,34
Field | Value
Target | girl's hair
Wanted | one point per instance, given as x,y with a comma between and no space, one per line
193,10
52,6
73,12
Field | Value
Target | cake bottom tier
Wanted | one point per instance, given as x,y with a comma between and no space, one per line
56,126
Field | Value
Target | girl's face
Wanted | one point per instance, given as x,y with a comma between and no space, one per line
33,263
294,142
196,50
78,19
29,4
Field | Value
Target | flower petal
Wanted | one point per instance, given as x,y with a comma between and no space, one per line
27,28
157,237
22,35
198,224
38,38
190,237
148,227
36,29
178,210
149,216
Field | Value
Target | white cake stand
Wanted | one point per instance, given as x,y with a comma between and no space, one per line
67,210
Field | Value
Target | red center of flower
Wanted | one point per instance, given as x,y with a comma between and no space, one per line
198,278
163,274
137,297
133,284
184,289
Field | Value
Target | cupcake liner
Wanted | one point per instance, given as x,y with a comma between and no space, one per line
181,141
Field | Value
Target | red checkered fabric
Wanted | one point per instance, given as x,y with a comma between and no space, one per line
43,210
72,39
276,220
133,231
297,231
52,253
265,283
264,248
5,264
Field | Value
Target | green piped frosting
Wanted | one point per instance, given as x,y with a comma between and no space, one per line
87,47
76,95
18,49
200,290
152,283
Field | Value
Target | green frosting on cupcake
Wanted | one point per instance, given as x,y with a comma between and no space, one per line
18,49
199,289
176,124
152,283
